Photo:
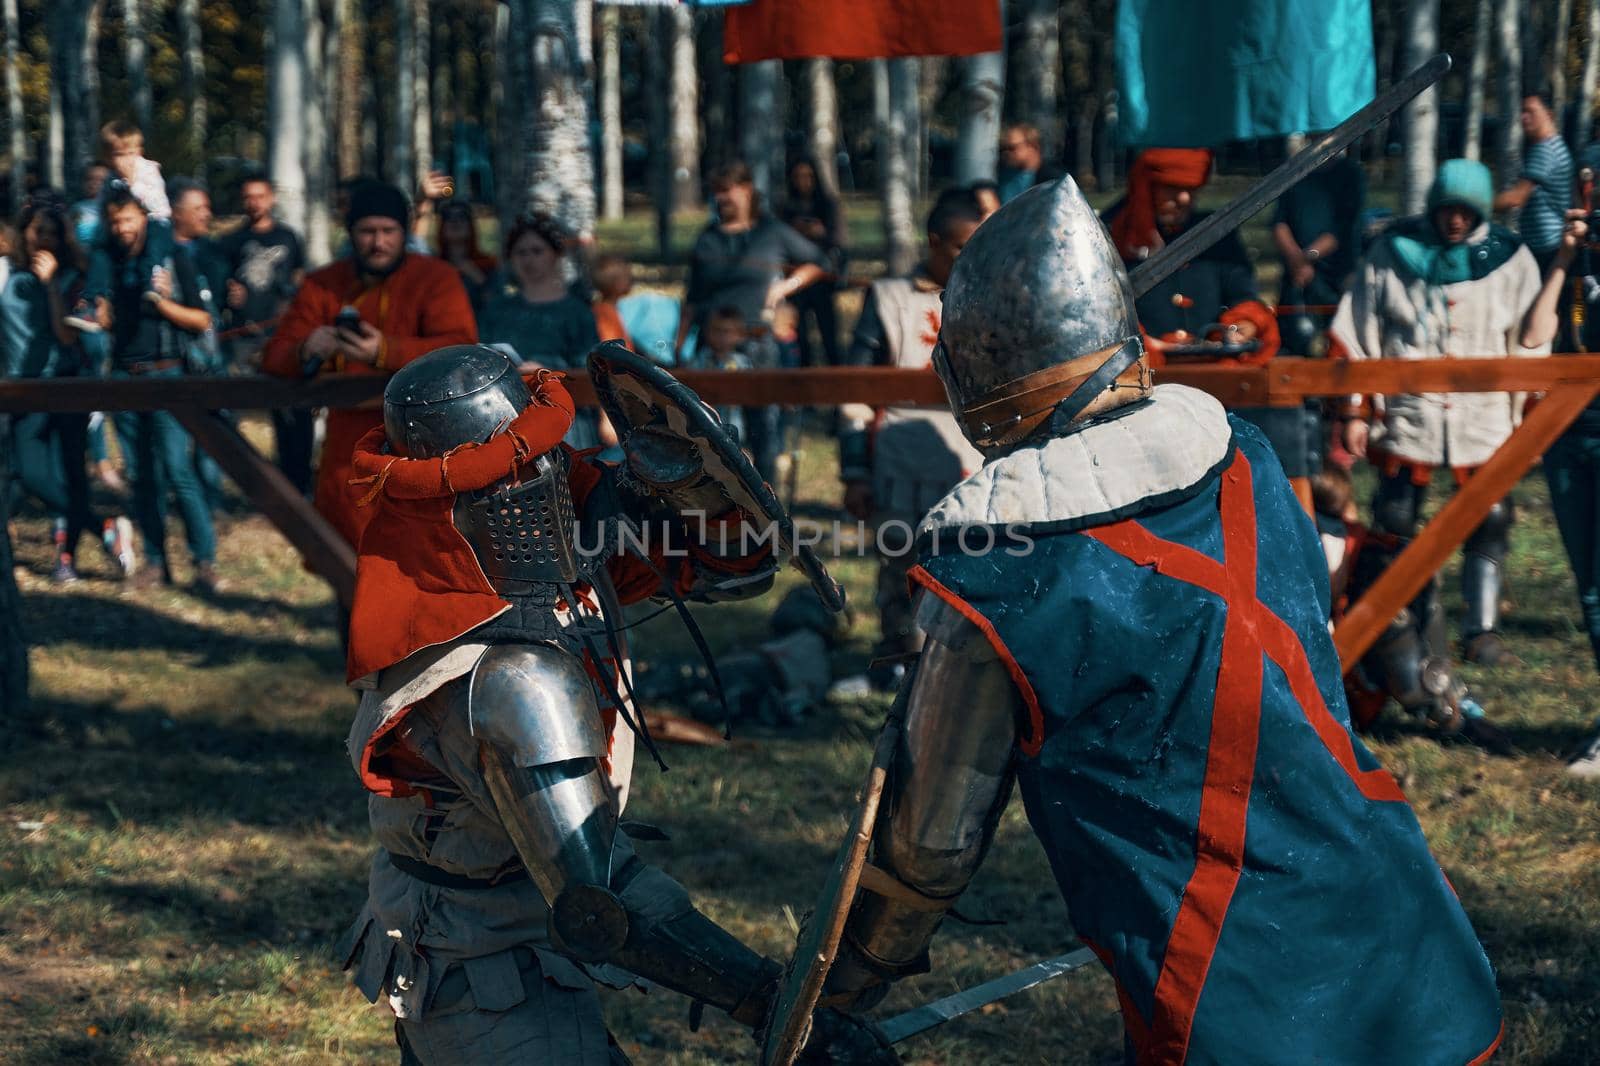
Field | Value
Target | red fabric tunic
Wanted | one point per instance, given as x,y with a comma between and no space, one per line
418,582
420,307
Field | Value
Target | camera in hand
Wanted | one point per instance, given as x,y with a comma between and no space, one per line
348,319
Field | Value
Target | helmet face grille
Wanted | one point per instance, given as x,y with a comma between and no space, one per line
522,532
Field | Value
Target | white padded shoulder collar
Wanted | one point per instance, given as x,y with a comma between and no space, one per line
1165,447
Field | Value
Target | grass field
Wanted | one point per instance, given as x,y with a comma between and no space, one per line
183,839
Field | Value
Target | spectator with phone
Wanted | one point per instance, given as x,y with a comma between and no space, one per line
406,304
153,315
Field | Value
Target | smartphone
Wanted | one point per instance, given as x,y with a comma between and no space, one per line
348,319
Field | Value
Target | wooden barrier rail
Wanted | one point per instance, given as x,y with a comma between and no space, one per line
1284,381
1571,382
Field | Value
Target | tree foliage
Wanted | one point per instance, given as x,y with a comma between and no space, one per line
233,34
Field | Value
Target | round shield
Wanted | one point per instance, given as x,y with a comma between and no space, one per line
671,436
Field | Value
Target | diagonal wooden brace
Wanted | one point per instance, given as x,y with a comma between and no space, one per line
323,549
1422,558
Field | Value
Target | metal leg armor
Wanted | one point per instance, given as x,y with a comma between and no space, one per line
950,782
541,744
1410,662
1397,504
1482,562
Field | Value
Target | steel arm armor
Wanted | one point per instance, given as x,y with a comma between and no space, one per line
541,742
950,782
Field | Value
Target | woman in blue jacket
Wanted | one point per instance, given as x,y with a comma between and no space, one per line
50,447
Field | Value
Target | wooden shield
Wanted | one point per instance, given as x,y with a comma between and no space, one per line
641,398
818,943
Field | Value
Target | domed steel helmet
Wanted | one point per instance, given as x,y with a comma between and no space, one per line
1038,320
463,394
521,528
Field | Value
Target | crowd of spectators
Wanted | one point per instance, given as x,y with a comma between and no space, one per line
131,280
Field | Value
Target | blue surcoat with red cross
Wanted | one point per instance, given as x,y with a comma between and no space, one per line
1254,881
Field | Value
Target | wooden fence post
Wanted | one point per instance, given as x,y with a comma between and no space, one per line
323,549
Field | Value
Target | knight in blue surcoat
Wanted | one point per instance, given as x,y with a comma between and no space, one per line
1126,611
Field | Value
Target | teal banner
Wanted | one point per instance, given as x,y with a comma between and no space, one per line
1196,75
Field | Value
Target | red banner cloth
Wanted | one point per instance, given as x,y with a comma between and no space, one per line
859,29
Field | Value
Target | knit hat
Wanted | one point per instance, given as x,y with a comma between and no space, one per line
376,199
1463,182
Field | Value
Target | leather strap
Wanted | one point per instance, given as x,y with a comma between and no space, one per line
445,879
1015,410
1096,383
880,882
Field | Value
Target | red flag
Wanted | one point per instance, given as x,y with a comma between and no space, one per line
859,29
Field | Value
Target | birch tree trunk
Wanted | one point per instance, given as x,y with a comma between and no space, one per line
1591,75
402,162
983,91
371,127
1509,35
286,103
930,85
610,112
759,122
1385,48
91,83
332,82
314,123
134,49
717,92
1558,62
905,99
347,21
194,73
556,123
1040,61
583,35
422,104
684,111
1422,114
1077,44
445,95
71,135
823,129
55,163
1477,80
18,136
13,645
896,85
510,46
660,78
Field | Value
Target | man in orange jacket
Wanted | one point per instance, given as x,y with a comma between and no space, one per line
408,305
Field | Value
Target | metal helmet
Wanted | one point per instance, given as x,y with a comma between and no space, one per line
1038,320
463,394
521,528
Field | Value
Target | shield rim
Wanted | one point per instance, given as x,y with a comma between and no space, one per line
610,358
818,941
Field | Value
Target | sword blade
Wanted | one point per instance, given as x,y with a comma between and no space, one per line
921,1019
1173,257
